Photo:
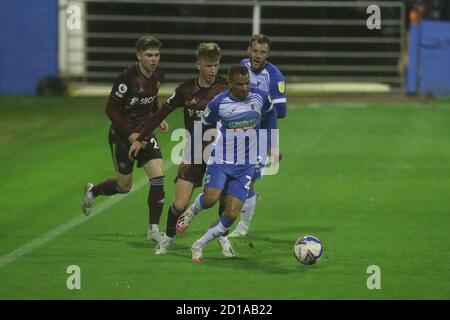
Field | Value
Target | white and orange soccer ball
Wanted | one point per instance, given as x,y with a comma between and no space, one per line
308,249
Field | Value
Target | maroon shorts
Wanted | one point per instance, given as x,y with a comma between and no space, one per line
120,147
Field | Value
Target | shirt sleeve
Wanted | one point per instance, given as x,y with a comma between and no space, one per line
269,121
269,114
117,98
120,88
211,113
176,100
278,93
153,122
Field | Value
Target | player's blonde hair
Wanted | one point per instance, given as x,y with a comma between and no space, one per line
209,51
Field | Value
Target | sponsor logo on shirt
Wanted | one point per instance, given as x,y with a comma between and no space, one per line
147,100
196,113
243,124
134,101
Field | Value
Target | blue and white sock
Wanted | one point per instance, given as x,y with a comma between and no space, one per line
216,230
248,209
199,204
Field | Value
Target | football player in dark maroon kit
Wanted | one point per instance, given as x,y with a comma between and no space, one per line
132,102
193,96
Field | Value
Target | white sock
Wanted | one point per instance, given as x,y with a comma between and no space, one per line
212,233
153,228
248,209
196,206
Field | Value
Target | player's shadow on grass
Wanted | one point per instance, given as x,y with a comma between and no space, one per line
251,264
287,239
272,259
133,240
300,230
264,264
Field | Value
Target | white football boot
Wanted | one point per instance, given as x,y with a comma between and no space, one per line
227,247
197,252
185,219
163,245
88,199
154,235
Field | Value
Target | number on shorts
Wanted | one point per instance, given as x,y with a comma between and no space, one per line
247,185
155,144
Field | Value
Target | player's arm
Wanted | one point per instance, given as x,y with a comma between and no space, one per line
269,114
152,123
175,100
278,94
270,120
211,113
163,126
115,104
155,106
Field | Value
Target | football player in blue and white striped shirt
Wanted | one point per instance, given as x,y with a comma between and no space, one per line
239,113
265,76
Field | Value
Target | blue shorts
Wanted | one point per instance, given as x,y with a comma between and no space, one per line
233,180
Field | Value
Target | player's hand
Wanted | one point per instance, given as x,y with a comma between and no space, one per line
163,126
134,149
133,137
275,155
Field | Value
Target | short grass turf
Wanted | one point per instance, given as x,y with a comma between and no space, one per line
371,182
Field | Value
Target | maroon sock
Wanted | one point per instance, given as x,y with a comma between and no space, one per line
172,216
106,188
155,199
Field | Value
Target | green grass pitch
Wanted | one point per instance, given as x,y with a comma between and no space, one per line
371,182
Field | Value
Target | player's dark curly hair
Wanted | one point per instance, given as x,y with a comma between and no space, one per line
237,69
147,42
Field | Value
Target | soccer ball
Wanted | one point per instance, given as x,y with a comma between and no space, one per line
308,249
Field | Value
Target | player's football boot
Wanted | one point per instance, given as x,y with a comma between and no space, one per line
185,219
154,235
88,199
240,230
163,245
197,252
227,247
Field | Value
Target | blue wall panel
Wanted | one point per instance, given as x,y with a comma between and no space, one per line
429,59
434,61
28,49
413,59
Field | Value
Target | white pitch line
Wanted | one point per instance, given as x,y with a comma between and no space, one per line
14,255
